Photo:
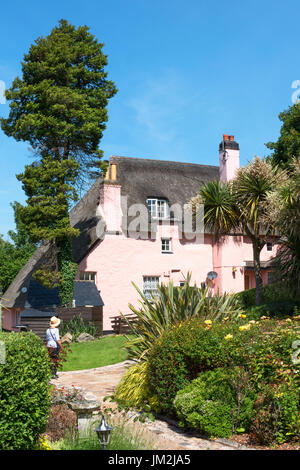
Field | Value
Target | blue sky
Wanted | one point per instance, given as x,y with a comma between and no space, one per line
187,72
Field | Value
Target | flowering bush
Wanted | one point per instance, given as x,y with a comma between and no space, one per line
66,395
263,349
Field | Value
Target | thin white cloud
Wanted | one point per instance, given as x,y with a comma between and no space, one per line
162,104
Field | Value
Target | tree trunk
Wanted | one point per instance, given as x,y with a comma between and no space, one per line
259,294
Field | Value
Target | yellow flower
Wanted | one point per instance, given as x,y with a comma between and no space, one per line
208,322
242,315
228,337
226,318
245,327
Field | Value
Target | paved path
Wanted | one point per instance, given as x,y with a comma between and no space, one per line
102,382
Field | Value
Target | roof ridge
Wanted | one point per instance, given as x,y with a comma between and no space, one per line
162,161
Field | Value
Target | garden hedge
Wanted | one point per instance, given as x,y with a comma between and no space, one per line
24,390
187,350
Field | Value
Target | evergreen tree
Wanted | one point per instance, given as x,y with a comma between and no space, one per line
287,146
59,107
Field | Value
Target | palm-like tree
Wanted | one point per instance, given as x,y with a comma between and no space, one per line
240,207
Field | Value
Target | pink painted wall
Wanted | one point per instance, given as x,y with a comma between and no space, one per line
232,252
119,260
9,318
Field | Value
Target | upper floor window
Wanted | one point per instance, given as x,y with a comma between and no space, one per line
269,246
158,208
150,284
166,245
87,276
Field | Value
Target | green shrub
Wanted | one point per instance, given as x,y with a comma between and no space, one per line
275,298
191,348
180,355
216,403
276,309
24,390
277,417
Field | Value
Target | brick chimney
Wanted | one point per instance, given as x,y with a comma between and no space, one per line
229,157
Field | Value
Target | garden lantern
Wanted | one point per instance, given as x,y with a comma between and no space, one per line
103,432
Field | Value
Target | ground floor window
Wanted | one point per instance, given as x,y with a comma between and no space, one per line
87,276
150,285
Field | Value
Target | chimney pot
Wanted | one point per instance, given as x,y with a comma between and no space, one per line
225,136
231,137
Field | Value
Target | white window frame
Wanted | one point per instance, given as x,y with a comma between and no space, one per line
150,284
87,276
166,245
158,208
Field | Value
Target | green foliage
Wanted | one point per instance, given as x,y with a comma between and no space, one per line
24,391
13,256
67,271
171,306
59,104
189,349
276,414
12,260
76,326
133,390
212,405
286,214
49,186
181,354
288,144
278,302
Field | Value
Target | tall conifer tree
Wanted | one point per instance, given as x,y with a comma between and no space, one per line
59,107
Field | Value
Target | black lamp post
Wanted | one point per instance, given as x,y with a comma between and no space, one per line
103,432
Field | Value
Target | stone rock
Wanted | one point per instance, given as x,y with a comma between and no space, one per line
83,337
67,338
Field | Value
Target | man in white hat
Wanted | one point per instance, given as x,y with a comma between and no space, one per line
53,343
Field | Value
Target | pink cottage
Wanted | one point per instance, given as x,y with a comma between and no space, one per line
135,227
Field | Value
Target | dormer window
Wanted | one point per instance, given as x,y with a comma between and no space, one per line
158,208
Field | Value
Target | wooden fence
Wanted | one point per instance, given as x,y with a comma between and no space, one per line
120,325
39,325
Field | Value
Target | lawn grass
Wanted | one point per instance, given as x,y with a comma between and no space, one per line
97,353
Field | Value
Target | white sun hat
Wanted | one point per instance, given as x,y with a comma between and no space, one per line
54,321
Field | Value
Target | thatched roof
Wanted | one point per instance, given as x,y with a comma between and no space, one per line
139,179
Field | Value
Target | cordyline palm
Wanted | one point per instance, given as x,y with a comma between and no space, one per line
240,207
170,306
